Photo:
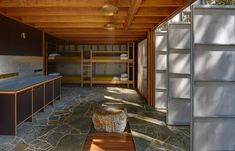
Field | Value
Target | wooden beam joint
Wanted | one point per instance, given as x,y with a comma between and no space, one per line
134,6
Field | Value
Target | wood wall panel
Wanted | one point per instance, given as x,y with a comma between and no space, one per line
11,42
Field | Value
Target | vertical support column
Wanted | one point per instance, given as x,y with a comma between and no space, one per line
150,67
133,66
128,64
91,74
44,54
81,68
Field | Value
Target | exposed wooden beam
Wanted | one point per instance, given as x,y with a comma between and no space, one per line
135,4
59,3
91,30
162,3
99,42
98,33
56,11
155,12
99,36
87,19
71,19
84,3
88,25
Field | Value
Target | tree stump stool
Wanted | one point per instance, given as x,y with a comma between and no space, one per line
109,119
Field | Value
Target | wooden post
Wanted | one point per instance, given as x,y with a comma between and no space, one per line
150,68
44,54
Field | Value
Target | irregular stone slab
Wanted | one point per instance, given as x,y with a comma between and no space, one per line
81,124
54,138
71,143
110,119
20,146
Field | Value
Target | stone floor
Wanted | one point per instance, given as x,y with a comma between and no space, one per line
65,125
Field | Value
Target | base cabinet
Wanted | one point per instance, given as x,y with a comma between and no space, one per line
24,105
49,92
7,114
57,86
38,98
17,106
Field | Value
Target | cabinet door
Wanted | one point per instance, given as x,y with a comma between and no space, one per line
48,92
38,98
56,88
24,105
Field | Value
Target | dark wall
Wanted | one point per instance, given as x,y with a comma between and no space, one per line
11,42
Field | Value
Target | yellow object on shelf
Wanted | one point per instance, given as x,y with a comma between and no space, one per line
71,79
103,78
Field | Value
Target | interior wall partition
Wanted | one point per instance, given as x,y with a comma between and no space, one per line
161,67
213,105
179,56
142,68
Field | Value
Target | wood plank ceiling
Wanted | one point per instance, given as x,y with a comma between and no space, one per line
80,21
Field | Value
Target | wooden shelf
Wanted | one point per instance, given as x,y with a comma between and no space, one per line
70,79
89,58
66,59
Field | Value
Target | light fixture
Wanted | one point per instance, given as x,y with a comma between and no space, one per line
109,26
108,10
23,35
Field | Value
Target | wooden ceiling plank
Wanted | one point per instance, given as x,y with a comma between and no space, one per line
98,33
162,3
90,30
71,19
59,3
155,12
88,25
47,11
135,4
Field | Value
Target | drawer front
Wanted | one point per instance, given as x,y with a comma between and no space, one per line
24,105
38,98
49,92
57,86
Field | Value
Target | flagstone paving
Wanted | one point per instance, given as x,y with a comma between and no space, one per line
65,125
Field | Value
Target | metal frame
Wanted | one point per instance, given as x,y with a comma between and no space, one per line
206,118
157,52
178,75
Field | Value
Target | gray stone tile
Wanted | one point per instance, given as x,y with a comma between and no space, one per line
65,125
71,143
54,138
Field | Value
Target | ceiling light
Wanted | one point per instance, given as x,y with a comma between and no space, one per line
109,10
109,26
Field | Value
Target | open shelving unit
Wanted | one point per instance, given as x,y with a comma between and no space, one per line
88,60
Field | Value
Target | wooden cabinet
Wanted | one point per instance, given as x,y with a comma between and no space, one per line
38,98
19,104
57,86
7,114
24,105
49,92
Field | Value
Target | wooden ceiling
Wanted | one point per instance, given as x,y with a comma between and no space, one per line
80,21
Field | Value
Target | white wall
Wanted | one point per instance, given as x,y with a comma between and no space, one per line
24,65
142,67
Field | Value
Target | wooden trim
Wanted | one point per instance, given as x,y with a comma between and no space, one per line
8,75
